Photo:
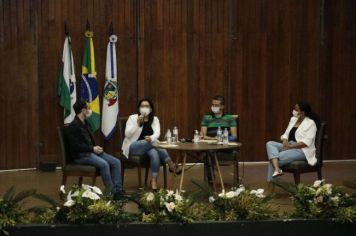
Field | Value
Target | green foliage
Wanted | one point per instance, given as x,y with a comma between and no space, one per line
11,210
164,206
242,204
322,201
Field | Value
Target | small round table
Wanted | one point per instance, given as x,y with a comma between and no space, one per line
203,146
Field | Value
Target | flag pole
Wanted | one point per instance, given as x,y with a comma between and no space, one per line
87,25
111,29
66,31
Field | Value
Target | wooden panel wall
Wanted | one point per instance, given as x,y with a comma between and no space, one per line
18,84
262,55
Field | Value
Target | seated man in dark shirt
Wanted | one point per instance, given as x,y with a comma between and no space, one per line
84,151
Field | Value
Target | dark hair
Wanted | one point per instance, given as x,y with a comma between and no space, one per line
79,105
152,114
219,98
306,108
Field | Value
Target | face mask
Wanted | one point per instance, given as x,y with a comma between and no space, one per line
145,111
295,113
87,115
215,109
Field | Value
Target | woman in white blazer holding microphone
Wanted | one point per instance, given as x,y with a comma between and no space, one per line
142,130
297,142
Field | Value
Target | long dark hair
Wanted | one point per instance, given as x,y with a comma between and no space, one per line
306,108
152,114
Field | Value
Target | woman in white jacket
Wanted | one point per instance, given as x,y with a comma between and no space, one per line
297,142
142,130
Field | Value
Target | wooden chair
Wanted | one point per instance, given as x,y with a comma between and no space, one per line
232,158
139,161
300,167
69,168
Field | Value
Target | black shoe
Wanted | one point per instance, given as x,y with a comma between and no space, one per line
121,195
175,171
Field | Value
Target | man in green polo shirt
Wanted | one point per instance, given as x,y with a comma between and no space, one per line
209,126
217,118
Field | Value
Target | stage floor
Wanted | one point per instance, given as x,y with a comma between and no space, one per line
254,177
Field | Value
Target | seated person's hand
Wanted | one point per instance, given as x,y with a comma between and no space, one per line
98,149
140,120
148,138
286,145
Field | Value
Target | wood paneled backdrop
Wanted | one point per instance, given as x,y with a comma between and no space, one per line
262,55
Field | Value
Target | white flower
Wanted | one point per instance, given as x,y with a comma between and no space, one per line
328,188
97,190
178,197
76,193
150,197
230,194
239,190
89,194
62,189
318,191
69,196
222,194
170,193
108,203
317,183
335,199
69,203
170,206
85,186
259,193
58,208
211,199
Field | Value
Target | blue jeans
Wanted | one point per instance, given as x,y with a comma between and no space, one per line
109,166
274,150
156,155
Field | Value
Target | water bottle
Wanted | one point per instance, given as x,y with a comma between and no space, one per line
226,136
196,137
219,135
169,136
175,135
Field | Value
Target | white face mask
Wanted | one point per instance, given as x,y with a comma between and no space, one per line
295,113
145,111
215,109
87,115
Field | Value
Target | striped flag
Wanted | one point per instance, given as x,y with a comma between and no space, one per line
66,87
89,85
110,100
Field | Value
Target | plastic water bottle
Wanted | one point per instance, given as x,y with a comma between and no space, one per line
219,135
196,137
226,136
175,135
169,136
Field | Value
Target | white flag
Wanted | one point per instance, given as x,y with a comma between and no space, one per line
66,87
110,101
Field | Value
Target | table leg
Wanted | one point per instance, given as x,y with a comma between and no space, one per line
182,176
219,172
212,172
172,182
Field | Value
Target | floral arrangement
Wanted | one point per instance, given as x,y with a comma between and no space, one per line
322,200
164,206
88,204
241,203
